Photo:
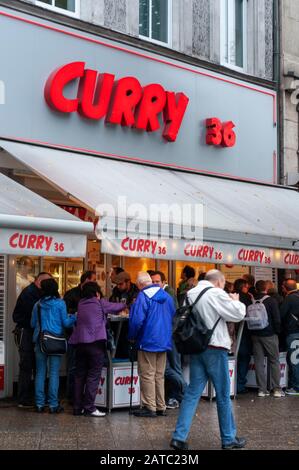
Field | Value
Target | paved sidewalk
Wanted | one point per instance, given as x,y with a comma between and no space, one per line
266,423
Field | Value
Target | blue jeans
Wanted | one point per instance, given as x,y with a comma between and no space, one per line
41,372
174,374
293,360
213,364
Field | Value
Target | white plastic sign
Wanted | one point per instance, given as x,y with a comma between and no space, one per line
122,387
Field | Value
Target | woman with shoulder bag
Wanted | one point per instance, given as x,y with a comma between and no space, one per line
49,317
90,337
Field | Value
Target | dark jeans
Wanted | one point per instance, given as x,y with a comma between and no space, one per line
174,374
89,363
26,367
71,371
293,360
244,355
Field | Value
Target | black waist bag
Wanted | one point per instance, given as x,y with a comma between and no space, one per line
50,344
190,334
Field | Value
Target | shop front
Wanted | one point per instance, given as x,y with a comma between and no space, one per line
178,163
31,230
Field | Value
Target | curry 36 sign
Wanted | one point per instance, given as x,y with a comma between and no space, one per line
124,102
36,243
81,92
208,252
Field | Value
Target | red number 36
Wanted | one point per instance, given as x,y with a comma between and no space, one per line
220,133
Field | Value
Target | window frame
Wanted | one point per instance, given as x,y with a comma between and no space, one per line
169,27
52,7
225,30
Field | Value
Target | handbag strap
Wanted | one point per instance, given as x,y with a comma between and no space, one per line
39,316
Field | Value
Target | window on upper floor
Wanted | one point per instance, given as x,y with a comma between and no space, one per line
68,7
155,20
234,33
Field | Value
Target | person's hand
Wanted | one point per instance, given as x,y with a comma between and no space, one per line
234,296
124,313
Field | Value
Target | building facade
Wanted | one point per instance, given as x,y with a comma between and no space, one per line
232,33
170,101
289,72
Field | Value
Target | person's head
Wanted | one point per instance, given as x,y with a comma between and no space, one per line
114,272
187,273
241,286
249,279
150,272
41,277
261,287
49,288
229,287
143,280
90,290
158,278
202,277
270,286
88,276
289,285
123,281
216,278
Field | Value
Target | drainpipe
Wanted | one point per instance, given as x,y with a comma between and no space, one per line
277,64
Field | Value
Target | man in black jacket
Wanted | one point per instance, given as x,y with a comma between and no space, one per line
290,320
265,343
22,317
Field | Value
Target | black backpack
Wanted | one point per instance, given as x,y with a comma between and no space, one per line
190,334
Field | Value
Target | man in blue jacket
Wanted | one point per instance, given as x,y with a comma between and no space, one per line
150,328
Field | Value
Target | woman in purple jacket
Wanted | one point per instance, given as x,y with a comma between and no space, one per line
90,338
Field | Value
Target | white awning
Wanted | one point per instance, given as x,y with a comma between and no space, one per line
235,213
31,225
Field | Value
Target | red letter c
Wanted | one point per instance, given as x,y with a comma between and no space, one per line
56,83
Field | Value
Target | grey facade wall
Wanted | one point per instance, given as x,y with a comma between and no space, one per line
289,101
195,28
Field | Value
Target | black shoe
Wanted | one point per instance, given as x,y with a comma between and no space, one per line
145,413
26,404
39,409
161,413
178,445
238,443
57,410
78,412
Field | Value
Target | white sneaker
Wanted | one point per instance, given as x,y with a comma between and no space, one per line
98,414
292,392
262,394
278,394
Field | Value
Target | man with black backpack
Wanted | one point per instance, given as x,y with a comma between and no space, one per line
290,319
215,308
265,341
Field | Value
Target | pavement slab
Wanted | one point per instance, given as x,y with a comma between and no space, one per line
267,424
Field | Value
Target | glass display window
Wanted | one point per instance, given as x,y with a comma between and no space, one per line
134,265
27,268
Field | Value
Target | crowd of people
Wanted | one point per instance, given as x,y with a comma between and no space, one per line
151,305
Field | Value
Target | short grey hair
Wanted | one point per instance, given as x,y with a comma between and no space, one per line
214,275
144,279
